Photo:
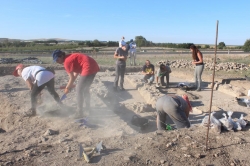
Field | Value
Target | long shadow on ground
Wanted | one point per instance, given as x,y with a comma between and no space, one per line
113,102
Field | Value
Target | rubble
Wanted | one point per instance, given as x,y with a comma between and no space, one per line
50,132
232,90
138,107
209,65
29,60
149,93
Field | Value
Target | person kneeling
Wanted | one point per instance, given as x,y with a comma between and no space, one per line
148,71
176,107
162,72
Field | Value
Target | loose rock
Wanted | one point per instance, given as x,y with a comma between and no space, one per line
50,132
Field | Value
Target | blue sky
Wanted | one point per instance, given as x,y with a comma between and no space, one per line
176,21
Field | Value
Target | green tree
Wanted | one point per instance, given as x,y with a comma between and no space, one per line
140,41
207,46
96,43
221,45
246,46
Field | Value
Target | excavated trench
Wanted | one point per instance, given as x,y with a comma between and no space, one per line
139,100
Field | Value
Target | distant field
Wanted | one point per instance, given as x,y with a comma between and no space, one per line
106,58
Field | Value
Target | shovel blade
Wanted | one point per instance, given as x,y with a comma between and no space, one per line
63,97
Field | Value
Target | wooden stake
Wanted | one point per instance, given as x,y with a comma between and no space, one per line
211,98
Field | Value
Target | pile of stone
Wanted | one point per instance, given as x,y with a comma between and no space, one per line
30,60
138,107
9,61
209,65
149,93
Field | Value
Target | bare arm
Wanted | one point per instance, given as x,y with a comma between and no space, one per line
72,78
116,56
157,79
120,57
29,83
75,76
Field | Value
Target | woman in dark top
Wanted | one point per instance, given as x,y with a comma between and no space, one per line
199,66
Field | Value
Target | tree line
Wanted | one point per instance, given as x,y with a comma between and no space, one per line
139,40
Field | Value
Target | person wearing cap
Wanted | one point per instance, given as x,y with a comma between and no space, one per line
78,64
121,54
37,78
121,41
175,107
132,52
162,72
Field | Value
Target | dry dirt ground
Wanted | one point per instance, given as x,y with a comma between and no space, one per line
31,140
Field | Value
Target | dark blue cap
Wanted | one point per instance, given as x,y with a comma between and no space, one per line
56,54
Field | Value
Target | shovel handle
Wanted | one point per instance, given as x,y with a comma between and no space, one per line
86,157
63,87
92,152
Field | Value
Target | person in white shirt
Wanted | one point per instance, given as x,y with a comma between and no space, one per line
37,78
132,52
121,41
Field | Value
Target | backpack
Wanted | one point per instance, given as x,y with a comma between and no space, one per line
186,86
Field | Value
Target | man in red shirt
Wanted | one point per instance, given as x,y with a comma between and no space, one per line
78,64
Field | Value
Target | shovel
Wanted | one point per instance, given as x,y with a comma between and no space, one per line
64,96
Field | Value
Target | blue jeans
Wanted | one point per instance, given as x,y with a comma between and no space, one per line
150,77
132,58
197,75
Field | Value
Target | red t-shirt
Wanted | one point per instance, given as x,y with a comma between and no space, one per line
80,63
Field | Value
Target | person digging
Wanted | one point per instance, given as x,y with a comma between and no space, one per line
78,64
161,73
37,78
176,107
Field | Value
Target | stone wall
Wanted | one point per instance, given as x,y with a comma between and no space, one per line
149,93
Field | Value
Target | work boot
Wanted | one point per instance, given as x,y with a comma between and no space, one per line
87,111
150,83
31,112
77,115
163,84
122,89
198,89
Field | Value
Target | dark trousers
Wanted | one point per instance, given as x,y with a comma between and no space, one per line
168,106
167,79
119,72
83,94
37,90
